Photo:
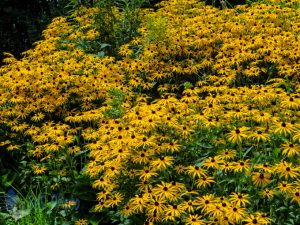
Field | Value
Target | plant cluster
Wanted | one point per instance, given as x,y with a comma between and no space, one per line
36,208
195,121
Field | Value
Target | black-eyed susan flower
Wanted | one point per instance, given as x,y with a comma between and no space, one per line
195,171
261,178
287,170
241,165
283,128
204,182
291,103
138,203
227,167
114,199
38,170
213,162
237,135
236,213
290,149
194,220
155,207
260,135
284,187
162,162
228,154
205,203
172,212
166,191
296,196
252,220
267,193
189,206
81,222
239,199
146,173
216,211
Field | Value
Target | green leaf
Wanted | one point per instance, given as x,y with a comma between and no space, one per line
276,152
248,150
4,216
19,214
53,205
80,152
63,213
187,85
104,45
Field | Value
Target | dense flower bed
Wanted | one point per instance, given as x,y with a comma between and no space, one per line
195,122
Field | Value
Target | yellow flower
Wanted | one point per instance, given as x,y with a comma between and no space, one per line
283,128
167,191
236,213
205,203
194,220
286,170
139,202
296,196
204,182
290,149
227,166
228,154
39,169
241,166
37,117
291,103
73,149
260,135
267,193
81,222
114,199
261,178
155,207
239,199
172,212
254,220
188,206
236,136
213,162
195,171
162,163
69,204
146,173
284,187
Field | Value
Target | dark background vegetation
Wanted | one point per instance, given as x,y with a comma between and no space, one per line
22,22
